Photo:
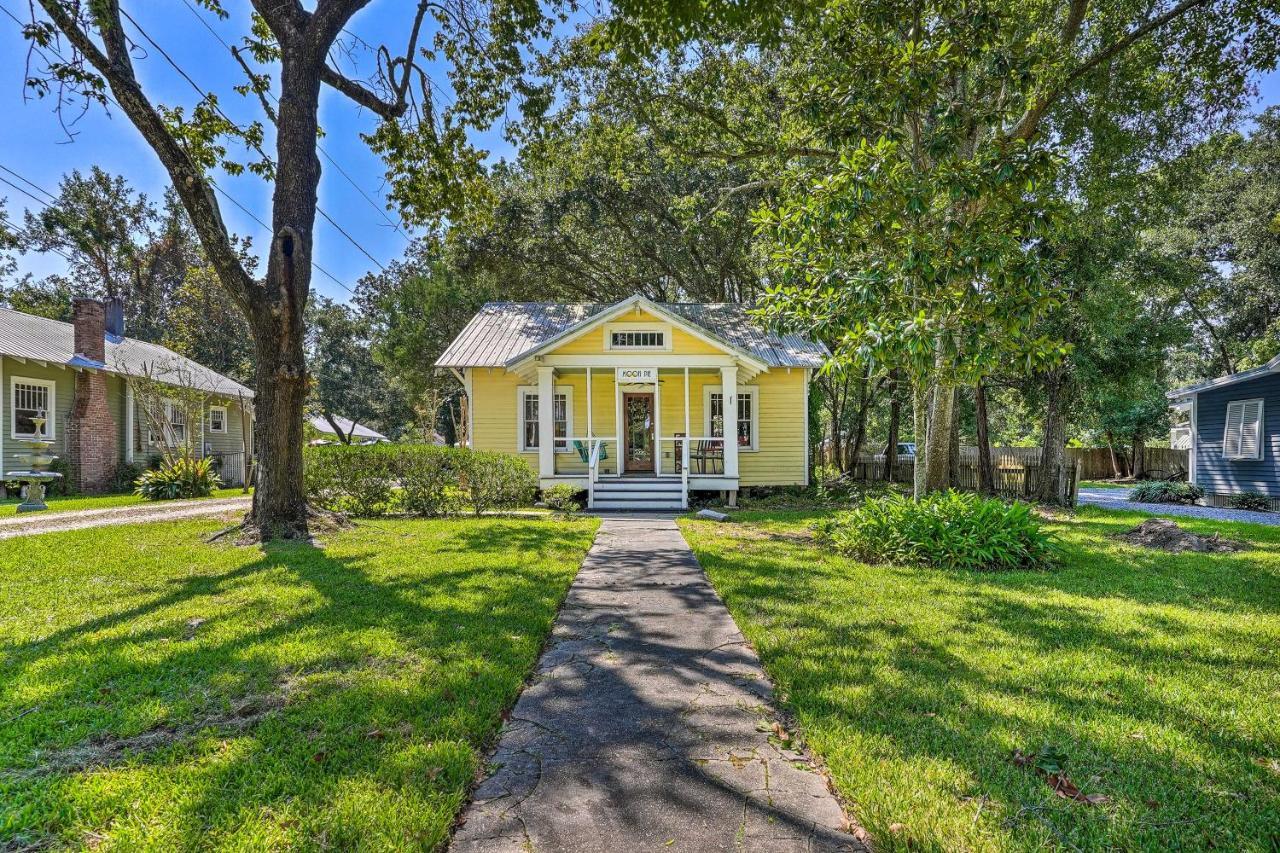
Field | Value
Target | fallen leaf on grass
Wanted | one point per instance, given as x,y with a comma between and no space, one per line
897,828
1051,764
1272,764
1065,788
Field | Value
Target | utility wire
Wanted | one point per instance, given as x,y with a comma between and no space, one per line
381,210
216,106
29,182
26,233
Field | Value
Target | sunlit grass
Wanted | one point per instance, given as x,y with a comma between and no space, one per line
160,693
1157,674
9,506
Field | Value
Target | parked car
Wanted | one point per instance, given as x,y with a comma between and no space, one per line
906,452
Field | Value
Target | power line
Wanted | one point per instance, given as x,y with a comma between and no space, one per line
379,208
27,233
29,182
205,95
315,264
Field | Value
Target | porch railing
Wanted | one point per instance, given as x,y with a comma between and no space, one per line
593,465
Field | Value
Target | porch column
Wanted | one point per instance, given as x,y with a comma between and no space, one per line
128,422
546,421
729,388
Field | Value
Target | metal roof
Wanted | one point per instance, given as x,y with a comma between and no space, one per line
1243,376
52,341
321,424
502,332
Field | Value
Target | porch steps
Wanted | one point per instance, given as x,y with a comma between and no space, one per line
648,493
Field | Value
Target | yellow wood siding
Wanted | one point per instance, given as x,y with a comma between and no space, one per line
591,342
781,418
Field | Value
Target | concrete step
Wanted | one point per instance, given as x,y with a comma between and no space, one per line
637,505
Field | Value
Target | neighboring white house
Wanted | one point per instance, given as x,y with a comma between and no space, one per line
358,433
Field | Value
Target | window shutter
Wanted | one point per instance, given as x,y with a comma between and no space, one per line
1231,438
1251,430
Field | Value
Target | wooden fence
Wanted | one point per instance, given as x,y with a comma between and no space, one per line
1014,475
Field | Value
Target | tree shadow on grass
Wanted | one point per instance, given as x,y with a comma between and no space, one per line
370,677
941,675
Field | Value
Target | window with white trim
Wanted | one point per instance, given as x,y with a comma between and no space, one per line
1243,435
173,423
30,399
745,416
218,419
177,423
561,417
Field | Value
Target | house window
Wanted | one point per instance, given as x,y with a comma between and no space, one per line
744,424
217,419
31,399
561,417
634,339
1243,438
177,423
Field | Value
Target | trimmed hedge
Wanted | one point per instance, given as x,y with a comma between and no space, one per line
415,479
947,530
1256,501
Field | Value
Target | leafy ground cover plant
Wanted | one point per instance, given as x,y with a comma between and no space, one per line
1256,501
1164,492
946,530
183,477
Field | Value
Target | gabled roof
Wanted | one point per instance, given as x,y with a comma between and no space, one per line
1243,376
26,336
321,424
502,333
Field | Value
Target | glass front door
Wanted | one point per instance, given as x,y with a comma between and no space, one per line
637,416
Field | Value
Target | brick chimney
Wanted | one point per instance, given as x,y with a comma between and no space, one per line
92,438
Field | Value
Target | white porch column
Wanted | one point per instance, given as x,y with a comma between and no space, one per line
729,388
590,428
546,421
128,422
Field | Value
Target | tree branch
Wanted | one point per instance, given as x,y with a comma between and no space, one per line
366,97
1030,121
188,180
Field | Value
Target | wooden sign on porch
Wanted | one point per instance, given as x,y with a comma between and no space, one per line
631,375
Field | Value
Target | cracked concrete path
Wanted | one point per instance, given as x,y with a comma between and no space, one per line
647,724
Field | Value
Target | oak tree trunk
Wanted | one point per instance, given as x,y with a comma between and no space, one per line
953,449
1053,440
937,454
920,427
986,474
891,451
1139,460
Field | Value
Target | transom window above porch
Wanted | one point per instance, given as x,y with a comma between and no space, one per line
644,337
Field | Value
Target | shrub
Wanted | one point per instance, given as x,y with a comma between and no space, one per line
184,477
947,530
1256,501
353,479
428,479
1163,492
126,476
496,480
562,498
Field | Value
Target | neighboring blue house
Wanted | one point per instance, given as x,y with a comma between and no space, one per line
1235,432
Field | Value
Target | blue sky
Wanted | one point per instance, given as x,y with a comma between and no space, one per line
33,142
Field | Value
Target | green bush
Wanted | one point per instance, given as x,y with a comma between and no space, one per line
428,479
562,498
497,481
1164,492
355,479
947,530
126,477
1256,501
184,477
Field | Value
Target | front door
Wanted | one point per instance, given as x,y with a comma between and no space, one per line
637,419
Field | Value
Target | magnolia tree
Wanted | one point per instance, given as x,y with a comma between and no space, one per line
88,50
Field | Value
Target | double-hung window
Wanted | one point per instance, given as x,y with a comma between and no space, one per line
1243,436
561,417
31,400
217,419
743,421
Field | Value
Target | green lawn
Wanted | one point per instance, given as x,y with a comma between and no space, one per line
1157,674
158,693
9,506
1103,484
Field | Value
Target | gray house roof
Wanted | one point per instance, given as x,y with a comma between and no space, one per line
502,332
321,424
52,341
1243,376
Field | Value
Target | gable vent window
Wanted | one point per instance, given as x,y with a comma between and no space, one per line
1243,439
637,340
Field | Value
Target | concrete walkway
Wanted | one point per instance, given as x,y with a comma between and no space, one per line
76,519
647,725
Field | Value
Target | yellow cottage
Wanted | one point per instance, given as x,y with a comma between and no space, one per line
630,401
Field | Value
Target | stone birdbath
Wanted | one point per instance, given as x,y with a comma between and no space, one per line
37,459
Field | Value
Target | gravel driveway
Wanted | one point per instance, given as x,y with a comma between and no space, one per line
1118,498
50,522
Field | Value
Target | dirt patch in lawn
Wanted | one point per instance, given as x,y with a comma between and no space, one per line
1165,535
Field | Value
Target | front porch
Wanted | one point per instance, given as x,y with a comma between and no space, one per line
637,434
